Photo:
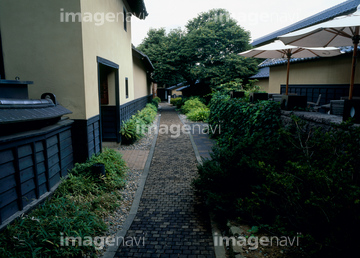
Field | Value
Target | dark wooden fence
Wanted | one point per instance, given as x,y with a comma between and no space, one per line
110,123
328,92
31,165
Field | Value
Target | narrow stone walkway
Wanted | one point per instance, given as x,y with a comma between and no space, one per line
170,222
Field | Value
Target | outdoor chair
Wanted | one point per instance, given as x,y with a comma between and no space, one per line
276,97
337,107
315,105
347,97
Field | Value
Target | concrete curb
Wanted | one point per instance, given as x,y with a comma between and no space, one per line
111,251
219,250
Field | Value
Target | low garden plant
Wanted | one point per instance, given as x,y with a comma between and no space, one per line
177,102
155,101
198,114
131,130
195,109
284,179
76,209
238,85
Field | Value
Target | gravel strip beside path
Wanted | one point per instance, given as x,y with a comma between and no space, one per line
116,219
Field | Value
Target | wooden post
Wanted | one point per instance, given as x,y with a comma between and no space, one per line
287,74
352,79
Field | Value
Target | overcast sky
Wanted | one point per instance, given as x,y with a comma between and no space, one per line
260,17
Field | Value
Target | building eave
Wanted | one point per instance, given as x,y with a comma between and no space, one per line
143,58
328,14
137,8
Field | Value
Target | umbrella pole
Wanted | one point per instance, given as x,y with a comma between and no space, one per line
287,76
352,80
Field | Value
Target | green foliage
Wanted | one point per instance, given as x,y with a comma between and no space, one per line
206,50
291,178
155,103
199,114
176,101
225,88
157,99
237,85
162,49
191,104
217,39
132,129
75,210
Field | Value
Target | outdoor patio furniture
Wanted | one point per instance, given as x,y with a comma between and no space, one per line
337,107
327,108
347,97
291,102
255,96
315,105
276,97
352,110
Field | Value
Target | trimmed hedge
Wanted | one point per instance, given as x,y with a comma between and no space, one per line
284,180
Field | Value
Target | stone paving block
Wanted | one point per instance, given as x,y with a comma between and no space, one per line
169,212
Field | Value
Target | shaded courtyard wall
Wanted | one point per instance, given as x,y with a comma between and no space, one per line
334,70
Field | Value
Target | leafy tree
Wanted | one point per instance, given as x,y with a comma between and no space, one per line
206,50
161,48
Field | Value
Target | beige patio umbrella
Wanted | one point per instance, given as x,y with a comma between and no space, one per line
340,31
278,49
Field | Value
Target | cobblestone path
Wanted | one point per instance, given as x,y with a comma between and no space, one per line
170,222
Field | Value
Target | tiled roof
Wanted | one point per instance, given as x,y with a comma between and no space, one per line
182,88
181,84
278,61
137,53
138,8
176,86
264,72
19,113
340,9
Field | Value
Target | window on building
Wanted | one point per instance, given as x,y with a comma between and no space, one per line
125,19
127,87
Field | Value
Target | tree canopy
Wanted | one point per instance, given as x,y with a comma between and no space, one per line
206,50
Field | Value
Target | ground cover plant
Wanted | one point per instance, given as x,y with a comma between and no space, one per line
155,101
132,129
284,179
195,109
177,102
75,210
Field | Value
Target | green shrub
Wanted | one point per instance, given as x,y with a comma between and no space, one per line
176,101
285,180
190,104
155,103
132,129
199,114
76,210
157,99
153,107
181,102
147,115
